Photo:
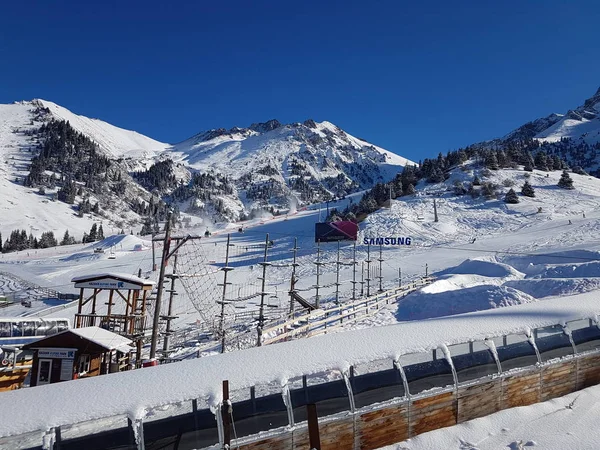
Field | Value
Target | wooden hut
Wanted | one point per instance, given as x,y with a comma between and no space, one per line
78,353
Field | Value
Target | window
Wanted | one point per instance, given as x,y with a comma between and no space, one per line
376,382
472,360
28,328
327,390
552,342
5,329
586,335
425,371
515,350
84,364
62,325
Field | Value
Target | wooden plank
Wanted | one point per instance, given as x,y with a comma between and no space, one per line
382,427
558,380
479,400
432,413
521,389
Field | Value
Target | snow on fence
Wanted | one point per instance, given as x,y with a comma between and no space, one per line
372,387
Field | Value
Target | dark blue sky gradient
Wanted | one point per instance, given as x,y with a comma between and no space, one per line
416,78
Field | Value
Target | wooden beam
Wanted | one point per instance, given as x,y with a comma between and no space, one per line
313,427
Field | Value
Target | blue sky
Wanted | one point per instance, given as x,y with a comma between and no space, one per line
416,78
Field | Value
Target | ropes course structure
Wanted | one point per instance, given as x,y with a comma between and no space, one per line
200,279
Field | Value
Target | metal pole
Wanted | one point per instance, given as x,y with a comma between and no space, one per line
153,255
225,416
161,281
261,316
399,277
170,309
225,270
314,440
293,280
380,268
354,272
337,276
435,214
368,261
362,279
318,263
426,270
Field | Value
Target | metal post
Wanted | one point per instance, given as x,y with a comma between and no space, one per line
293,279
337,276
318,263
354,272
426,270
153,255
161,281
368,261
399,277
172,294
380,268
261,316
225,270
435,214
362,279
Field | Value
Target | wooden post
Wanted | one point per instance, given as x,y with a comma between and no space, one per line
263,293
94,301
313,427
225,416
160,288
110,302
79,307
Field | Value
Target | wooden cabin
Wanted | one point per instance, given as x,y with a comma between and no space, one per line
78,353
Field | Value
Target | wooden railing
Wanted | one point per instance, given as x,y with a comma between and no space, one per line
117,323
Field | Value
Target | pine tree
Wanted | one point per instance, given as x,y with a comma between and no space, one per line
0,242
476,181
565,181
491,161
541,161
410,189
93,233
511,196
100,235
527,190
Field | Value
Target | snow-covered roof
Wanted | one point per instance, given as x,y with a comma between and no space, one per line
135,391
103,338
99,336
116,276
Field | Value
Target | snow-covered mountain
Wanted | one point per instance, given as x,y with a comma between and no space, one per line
218,174
579,124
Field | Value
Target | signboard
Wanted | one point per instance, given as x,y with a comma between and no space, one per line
395,240
66,370
343,230
63,353
107,283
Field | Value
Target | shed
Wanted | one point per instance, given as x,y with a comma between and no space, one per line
78,353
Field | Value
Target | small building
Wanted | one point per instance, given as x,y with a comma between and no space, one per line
78,353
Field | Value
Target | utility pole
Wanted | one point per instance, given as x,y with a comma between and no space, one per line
293,280
261,313
161,281
225,270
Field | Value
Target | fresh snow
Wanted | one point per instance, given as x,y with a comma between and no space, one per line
129,393
102,337
569,422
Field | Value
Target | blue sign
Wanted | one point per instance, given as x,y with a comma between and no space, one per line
387,241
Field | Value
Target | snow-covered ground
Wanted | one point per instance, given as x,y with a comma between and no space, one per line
569,422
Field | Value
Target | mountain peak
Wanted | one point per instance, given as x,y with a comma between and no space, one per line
264,127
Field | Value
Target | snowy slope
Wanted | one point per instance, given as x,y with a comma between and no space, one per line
119,143
580,124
